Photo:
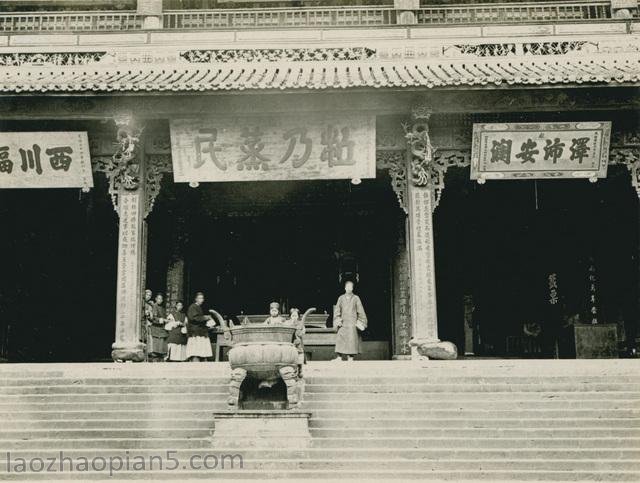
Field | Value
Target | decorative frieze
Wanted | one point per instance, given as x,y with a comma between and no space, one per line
322,54
507,49
50,58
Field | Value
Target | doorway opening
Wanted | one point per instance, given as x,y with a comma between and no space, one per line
249,244
532,260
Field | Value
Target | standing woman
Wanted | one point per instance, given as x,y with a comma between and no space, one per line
177,340
157,333
350,319
198,342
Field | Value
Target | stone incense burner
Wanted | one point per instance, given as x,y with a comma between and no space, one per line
265,353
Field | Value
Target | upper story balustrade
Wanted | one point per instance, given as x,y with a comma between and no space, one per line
402,12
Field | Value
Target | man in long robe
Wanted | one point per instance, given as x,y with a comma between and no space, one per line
157,333
198,342
350,319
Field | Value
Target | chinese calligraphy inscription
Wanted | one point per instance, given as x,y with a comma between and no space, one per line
313,146
45,160
540,150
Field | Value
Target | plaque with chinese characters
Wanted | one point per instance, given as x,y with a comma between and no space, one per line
540,150
282,147
45,160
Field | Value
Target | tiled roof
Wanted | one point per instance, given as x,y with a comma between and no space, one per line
525,70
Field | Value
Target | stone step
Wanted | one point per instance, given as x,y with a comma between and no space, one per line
330,442
113,398
216,379
408,388
466,443
381,454
476,396
114,443
112,381
206,430
451,377
452,387
114,389
139,414
187,421
379,475
462,368
152,404
428,423
478,413
472,432
167,423
219,400
282,464
102,411
497,403
332,390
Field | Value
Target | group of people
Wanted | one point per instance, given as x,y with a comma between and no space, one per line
176,336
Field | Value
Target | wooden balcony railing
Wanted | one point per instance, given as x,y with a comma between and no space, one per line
69,21
515,13
279,17
316,17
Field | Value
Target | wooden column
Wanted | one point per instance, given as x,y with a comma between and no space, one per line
175,282
421,202
127,185
128,345
401,296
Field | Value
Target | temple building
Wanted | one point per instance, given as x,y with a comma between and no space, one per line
473,168
470,168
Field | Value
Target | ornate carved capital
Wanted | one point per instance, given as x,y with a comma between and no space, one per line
127,170
428,166
419,142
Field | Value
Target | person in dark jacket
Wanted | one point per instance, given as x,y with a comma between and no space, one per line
157,333
198,342
177,340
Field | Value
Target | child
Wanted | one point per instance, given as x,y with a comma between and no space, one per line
274,315
298,323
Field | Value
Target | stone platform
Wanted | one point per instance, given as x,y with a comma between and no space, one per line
488,420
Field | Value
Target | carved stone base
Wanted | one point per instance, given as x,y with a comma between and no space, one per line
261,429
128,352
439,350
290,377
238,375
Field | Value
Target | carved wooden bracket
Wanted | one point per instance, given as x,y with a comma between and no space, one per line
428,164
630,157
396,163
129,169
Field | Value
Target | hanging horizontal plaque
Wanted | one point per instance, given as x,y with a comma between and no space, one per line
278,147
45,160
540,150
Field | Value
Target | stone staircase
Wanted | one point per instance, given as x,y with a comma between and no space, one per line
431,420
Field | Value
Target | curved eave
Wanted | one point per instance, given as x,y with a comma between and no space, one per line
317,76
